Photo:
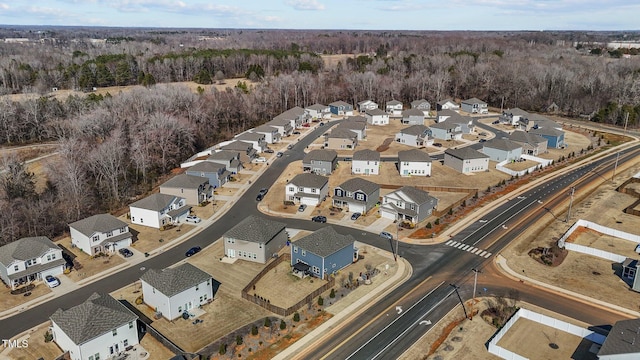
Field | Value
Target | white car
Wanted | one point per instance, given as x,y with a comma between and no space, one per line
51,281
193,219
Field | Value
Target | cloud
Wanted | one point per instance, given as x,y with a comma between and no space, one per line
305,4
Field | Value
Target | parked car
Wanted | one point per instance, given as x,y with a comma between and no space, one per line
482,140
437,144
306,125
319,218
194,250
355,216
321,124
260,159
51,281
296,133
290,146
386,235
259,197
125,252
269,151
261,194
279,154
496,122
483,134
193,219
348,159
302,208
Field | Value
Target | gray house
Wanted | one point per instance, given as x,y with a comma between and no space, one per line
413,117
283,125
230,160
255,239
341,108
30,259
271,134
415,135
246,150
446,130
445,114
555,137
465,122
620,343
502,149
257,140
100,233
296,117
356,125
340,139
466,160
217,173
356,195
422,105
324,252
474,106
408,204
321,162
318,111
532,144
194,189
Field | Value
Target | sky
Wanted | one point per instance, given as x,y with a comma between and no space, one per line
330,14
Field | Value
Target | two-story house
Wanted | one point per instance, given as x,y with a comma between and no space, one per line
414,163
158,210
365,162
474,106
366,105
230,160
341,108
394,107
502,149
194,189
296,117
255,239
321,162
324,252
173,291
102,233
445,114
307,188
246,150
318,111
446,130
257,140
376,117
356,124
283,125
415,135
30,259
412,117
99,328
466,123
555,137
514,117
271,134
532,144
216,173
340,139
466,160
408,204
422,105
356,195
447,104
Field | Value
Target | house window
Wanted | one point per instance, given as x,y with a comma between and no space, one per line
338,192
412,206
205,296
131,325
201,299
179,309
292,189
197,287
142,221
300,189
96,238
314,190
16,268
254,256
304,253
97,356
91,357
208,282
133,219
114,332
125,342
110,233
316,270
48,257
360,196
295,250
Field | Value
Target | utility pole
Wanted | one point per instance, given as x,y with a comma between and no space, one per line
475,283
460,298
397,241
573,189
615,167
626,121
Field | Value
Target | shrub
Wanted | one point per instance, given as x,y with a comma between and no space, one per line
48,336
283,325
238,340
139,300
320,301
332,294
254,330
296,316
437,222
429,226
267,322
223,349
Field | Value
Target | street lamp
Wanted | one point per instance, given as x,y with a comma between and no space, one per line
475,283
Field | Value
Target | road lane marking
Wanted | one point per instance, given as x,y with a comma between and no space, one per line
466,247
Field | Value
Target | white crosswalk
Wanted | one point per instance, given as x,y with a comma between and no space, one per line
468,248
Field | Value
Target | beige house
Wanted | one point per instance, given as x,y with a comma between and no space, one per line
194,189
340,139
255,239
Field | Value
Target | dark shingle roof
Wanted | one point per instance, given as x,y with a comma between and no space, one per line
237,145
502,144
265,129
352,124
375,112
251,136
525,137
473,100
547,131
447,112
415,130
255,229
339,103
155,202
393,102
185,181
317,107
25,249
99,315
412,112
367,155
517,112
418,102
442,102
355,184
172,281
624,338
225,155
98,223
414,155
445,125
325,242
356,118
206,166
320,155
416,195
466,153
309,180
341,133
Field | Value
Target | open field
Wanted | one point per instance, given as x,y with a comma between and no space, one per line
596,240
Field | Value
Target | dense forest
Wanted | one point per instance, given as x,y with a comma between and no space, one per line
114,148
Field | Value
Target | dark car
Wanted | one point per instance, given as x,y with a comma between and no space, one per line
355,216
321,124
386,235
319,218
194,250
482,140
279,154
296,133
347,159
496,122
259,197
126,252
437,144
290,146
269,151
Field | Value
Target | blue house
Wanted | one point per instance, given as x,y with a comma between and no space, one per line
217,174
555,137
341,108
323,252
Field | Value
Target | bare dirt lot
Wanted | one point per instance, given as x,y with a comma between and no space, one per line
90,265
10,301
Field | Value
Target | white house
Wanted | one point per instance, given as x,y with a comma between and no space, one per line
445,114
173,291
307,188
421,104
318,111
414,163
365,162
394,107
99,328
157,210
415,135
366,105
408,204
413,117
102,233
466,160
377,117
30,259
271,134
447,104
446,130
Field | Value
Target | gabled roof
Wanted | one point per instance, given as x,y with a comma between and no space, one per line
459,119
237,145
624,338
366,102
341,133
291,114
418,102
25,249
517,112
99,315
417,130
225,155
320,155
325,242
447,112
155,202
366,155
173,281
356,118
359,184
207,167
352,124
101,223
445,125
185,181
526,137
255,229
473,100
393,103
309,180
466,153
502,144
549,131
413,155
414,195
251,136
280,122
375,112
339,103
412,112
442,102
317,107
265,129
